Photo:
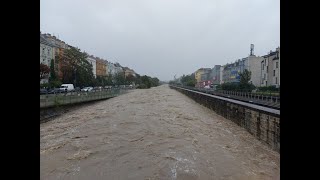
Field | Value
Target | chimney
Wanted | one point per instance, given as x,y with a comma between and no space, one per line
251,50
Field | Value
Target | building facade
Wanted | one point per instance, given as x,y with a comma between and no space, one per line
46,54
100,67
127,71
59,48
270,69
221,74
215,75
202,74
111,69
253,64
46,51
118,68
231,72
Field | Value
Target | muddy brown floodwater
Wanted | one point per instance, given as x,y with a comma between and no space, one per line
155,133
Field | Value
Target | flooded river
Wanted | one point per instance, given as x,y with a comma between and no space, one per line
155,133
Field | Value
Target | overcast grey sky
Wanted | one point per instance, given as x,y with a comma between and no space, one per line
162,38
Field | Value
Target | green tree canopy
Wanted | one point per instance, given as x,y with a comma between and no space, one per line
75,67
44,71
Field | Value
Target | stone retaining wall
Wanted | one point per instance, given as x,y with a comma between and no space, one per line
265,126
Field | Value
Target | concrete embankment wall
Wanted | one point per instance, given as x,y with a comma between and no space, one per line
262,124
53,100
53,105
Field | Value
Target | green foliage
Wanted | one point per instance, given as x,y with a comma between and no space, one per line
75,68
44,71
44,85
55,83
245,77
142,86
188,80
269,89
119,79
147,82
218,87
230,86
154,81
237,87
244,84
130,79
52,71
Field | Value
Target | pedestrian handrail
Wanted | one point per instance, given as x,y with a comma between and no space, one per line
240,95
50,100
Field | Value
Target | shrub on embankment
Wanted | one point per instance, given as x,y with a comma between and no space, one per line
147,82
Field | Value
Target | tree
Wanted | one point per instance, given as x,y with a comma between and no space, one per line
145,81
44,71
109,80
52,71
154,82
188,80
119,79
245,77
75,67
130,78
138,79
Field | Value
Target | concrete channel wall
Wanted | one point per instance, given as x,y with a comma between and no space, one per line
261,122
52,100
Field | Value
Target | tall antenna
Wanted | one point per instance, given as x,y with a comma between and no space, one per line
251,50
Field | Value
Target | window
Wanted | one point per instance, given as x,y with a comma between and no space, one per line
262,66
264,76
266,83
276,64
267,68
276,80
274,72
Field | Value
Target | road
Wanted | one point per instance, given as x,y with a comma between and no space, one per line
155,133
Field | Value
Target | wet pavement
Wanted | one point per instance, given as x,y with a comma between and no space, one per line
155,133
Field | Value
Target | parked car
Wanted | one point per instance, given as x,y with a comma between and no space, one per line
54,91
99,88
43,91
67,87
87,89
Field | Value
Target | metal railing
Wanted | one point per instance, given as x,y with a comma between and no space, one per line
256,98
50,100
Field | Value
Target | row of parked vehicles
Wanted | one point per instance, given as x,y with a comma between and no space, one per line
70,88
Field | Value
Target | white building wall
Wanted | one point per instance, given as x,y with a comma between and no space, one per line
275,73
221,74
111,69
254,65
46,54
279,66
93,62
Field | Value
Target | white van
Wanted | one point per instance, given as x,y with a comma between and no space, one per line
67,87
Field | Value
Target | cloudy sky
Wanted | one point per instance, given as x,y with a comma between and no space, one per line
162,38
